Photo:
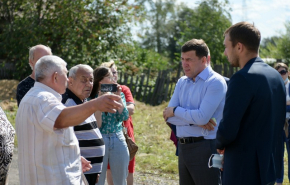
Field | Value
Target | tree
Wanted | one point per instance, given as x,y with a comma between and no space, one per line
179,24
208,22
79,31
277,47
158,16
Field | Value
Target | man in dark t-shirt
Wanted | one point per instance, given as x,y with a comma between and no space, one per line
35,53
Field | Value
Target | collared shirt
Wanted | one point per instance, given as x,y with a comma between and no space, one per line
47,156
197,102
91,142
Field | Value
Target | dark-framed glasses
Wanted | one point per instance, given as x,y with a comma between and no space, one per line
283,72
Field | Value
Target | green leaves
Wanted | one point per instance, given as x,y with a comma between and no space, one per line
277,47
79,31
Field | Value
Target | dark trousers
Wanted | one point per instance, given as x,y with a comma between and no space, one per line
193,163
91,178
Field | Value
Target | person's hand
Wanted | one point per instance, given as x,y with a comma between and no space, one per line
221,152
168,112
119,90
108,103
210,125
97,180
86,165
100,93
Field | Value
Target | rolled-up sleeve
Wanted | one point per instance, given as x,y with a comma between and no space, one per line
47,112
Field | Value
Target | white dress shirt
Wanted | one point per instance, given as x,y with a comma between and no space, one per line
47,156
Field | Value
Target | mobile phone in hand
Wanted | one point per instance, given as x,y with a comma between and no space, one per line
109,88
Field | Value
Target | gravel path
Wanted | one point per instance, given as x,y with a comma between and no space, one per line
140,178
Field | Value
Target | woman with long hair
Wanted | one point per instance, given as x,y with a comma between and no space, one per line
128,123
110,124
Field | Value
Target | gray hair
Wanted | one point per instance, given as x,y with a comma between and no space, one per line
32,50
74,69
47,65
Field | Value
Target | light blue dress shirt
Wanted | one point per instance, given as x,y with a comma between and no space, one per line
197,102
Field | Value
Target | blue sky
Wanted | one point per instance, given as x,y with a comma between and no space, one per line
268,15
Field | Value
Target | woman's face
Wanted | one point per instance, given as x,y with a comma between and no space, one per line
108,79
283,72
115,73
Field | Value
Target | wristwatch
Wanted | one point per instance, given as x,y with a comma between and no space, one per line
174,109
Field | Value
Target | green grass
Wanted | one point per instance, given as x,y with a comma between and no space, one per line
156,151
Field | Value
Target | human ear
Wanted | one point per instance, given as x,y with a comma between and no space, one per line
70,81
55,76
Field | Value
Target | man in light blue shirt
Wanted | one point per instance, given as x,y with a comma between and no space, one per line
198,97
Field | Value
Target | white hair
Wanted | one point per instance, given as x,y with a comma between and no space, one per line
74,69
47,65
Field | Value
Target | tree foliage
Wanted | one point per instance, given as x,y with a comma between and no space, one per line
207,21
278,46
79,31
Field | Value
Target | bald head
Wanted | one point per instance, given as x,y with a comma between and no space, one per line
36,52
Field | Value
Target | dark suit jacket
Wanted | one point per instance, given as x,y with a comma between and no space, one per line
253,119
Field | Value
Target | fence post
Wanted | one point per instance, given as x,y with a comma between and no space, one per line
140,87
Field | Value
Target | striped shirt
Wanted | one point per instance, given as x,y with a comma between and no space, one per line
46,156
90,139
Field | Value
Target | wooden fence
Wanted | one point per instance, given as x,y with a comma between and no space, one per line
163,83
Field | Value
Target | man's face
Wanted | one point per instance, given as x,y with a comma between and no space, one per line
38,53
62,80
230,52
82,84
191,64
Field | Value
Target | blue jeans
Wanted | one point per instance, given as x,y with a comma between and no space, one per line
117,154
287,141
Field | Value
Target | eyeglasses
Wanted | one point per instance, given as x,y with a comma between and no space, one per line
283,72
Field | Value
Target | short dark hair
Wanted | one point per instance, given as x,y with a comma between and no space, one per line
245,33
197,45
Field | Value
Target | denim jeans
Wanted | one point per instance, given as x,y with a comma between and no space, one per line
117,154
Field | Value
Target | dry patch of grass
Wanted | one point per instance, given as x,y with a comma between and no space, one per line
156,151
8,89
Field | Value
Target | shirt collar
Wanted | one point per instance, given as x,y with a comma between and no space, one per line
43,86
74,97
203,74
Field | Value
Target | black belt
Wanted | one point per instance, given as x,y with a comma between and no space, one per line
185,140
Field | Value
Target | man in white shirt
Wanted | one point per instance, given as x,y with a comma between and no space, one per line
48,148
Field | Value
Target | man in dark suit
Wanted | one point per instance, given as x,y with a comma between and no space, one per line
254,112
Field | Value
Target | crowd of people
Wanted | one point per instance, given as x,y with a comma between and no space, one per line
69,132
